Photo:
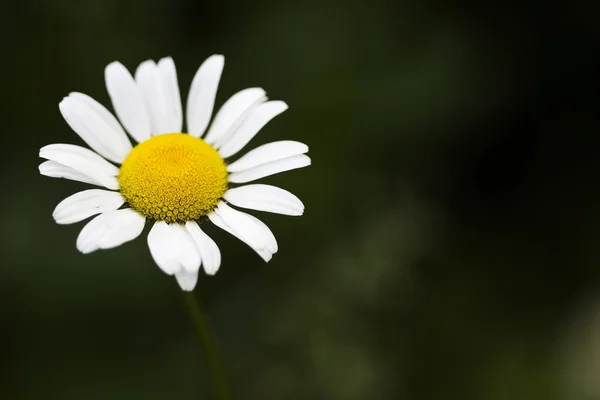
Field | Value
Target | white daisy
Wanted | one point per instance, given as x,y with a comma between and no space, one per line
171,178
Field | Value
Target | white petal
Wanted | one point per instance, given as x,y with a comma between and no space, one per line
146,76
265,198
243,227
84,161
159,87
170,87
209,251
173,248
271,168
127,101
189,255
239,223
84,204
266,153
201,99
233,113
257,119
62,150
96,126
56,170
270,241
218,221
187,280
164,247
111,229
103,112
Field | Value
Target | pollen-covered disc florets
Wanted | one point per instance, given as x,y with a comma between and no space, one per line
173,177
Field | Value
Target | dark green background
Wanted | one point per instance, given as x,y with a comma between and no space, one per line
450,244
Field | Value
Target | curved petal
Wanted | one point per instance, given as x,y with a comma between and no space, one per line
209,251
271,168
84,161
266,153
238,224
189,255
233,113
158,84
173,248
164,247
96,126
103,112
256,120
201,99
110,229
245,228
270,241
84,204
56,170
127,101
265,198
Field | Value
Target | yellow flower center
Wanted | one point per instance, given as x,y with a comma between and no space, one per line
173,177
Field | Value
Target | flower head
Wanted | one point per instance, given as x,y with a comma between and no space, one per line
173,179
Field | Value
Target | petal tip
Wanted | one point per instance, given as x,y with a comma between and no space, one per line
167,59
281,104
85,249
113,65
217,58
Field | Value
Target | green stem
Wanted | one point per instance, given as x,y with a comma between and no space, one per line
214,360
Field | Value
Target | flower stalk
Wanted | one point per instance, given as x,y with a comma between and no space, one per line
214,360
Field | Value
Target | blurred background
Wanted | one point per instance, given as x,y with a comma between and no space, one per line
450,244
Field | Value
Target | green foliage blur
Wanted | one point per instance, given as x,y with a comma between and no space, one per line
450,244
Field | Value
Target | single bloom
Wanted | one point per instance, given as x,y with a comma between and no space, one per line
173,179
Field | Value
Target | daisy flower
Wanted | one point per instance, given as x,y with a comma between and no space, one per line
173,179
